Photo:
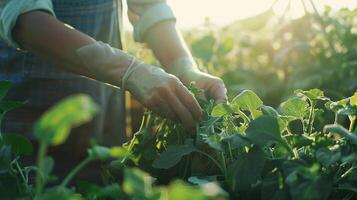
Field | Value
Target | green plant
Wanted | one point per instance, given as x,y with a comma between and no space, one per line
53,128
258,152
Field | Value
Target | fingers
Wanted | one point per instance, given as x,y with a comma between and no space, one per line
218,91
162,108
180,109
189,101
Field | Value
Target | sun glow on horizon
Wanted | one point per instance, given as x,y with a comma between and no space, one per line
192,13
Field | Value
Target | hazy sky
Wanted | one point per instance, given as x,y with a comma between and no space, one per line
191,13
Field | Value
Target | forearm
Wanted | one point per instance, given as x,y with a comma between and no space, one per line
44,35
167,43
49,38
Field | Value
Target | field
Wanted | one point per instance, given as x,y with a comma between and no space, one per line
287,132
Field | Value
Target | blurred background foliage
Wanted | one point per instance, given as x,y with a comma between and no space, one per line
275,54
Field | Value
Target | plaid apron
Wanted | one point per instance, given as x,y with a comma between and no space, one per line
42,84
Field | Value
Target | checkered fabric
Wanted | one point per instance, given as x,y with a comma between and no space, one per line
42,84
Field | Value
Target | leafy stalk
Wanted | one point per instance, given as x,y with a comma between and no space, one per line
75,170
40,164
352,123
212,159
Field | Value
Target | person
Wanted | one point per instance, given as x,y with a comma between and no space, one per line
52,49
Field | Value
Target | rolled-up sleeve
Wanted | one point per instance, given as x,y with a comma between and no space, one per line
10,11
151,12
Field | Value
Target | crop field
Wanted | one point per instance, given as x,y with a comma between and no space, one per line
287,132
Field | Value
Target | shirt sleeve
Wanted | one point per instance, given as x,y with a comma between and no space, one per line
10,11
151,12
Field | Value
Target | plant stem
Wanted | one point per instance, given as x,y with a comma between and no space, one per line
296,154
336,118
245,117
230,150
75,170
20,172
1,118
352,123
310,119
212,159
224,163
40,167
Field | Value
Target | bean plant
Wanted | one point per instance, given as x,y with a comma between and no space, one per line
257,152
53,128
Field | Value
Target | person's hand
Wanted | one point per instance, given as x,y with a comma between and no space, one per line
164,94
212,86
157,90
187,71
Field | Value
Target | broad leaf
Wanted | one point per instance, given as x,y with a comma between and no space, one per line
178,190
93,191
270,111
221,110
20,145
327,157
247,100
173,155
313,94
298,141
103,153
6,106
246,170
55,125
264,131
137,183
295,107
353,99
342,132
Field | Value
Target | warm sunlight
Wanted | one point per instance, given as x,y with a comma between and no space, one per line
191,13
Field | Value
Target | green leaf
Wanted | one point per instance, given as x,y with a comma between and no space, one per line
4,88
334,128
20,145
335,106
59,194
298,141
247,100
270,111
6,106
55,125
351,158
93,191
137,183
246,170
353,99
103,153
313,94
173,155
221,110
213,141
236,141
48,167
295,107
264,131
196,180
348,110
178,190
327,157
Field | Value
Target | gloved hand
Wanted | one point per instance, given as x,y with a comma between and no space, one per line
157,90
186,69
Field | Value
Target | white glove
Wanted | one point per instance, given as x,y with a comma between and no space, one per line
157,90
186,69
